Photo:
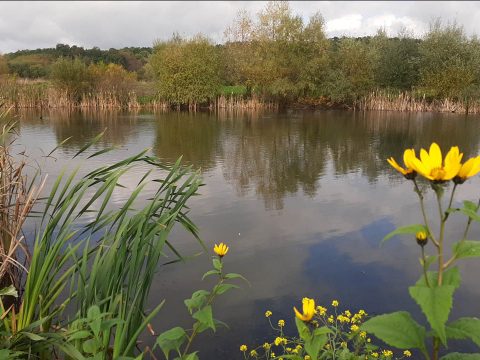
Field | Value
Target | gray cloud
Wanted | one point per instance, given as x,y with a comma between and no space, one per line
30,25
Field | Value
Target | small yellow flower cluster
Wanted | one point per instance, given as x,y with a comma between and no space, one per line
321,310
266,346
268,313
343,319
387,353
280,341
281,323
407,353
253,353
243,348
354,328
335,303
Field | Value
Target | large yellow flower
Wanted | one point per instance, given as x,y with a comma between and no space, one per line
221,249
408,157
308,310
432,166
470,168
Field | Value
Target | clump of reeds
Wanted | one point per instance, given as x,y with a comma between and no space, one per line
18,194
238,102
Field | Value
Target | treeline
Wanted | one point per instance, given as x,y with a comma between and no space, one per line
275,57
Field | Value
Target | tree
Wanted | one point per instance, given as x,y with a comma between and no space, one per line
450,62
187,71
72,76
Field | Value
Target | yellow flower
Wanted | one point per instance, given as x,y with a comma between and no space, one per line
266,346
307,357
268,313
308,309
387,353
407,353
408,156
354,328
253,353
375,354
335,303
243,348
221,249
280,340
321,310
272,354
343,344
470,168
433,167
330,319
281,323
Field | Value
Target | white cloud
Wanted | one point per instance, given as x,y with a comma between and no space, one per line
120,23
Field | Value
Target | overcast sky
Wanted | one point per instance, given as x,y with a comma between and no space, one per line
106,24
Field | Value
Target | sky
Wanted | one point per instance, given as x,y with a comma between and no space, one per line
107,24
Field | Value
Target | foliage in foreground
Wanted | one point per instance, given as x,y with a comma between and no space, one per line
87,281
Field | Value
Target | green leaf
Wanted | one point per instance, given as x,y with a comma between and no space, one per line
450,277
465,328
198,299
436,303
205,317
77,335
235,276
223,288
192,356
460,356
429,260
303,330
211,272
315,343
33,336
466,249
9,291
217,264
90,346
171,340
471,213
470,205
409,229
397,329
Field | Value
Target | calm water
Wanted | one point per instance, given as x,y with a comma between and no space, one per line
302,198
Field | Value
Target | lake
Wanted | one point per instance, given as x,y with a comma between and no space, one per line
303,199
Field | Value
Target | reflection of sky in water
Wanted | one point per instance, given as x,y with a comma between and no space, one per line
303,199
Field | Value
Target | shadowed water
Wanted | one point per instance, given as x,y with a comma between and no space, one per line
302,199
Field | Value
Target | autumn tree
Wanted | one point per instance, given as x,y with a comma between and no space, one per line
187,71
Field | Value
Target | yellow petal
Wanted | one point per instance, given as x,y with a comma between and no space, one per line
435,156
395,165
408,155
466,168
425,159
475,168
298,315
421,168
453,156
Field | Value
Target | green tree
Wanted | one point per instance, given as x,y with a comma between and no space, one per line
72,76
187,71
450,61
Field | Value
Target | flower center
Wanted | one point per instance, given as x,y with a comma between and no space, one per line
438,173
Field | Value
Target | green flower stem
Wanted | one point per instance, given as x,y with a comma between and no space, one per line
424,213
438,192
209,302
450,203
425,266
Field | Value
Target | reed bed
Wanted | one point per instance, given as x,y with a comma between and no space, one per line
238,102
405,101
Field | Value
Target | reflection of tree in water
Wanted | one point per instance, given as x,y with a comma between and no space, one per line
83,125
277,155
193,135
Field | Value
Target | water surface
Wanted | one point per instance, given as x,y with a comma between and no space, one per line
302,198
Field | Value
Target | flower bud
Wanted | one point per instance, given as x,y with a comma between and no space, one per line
422,238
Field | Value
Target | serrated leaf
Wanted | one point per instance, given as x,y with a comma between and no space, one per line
303,330
318,339
397,329
171,340
460,356
404,230
464,328
450,277
205,317
466,249
198,300
223,288
436,303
